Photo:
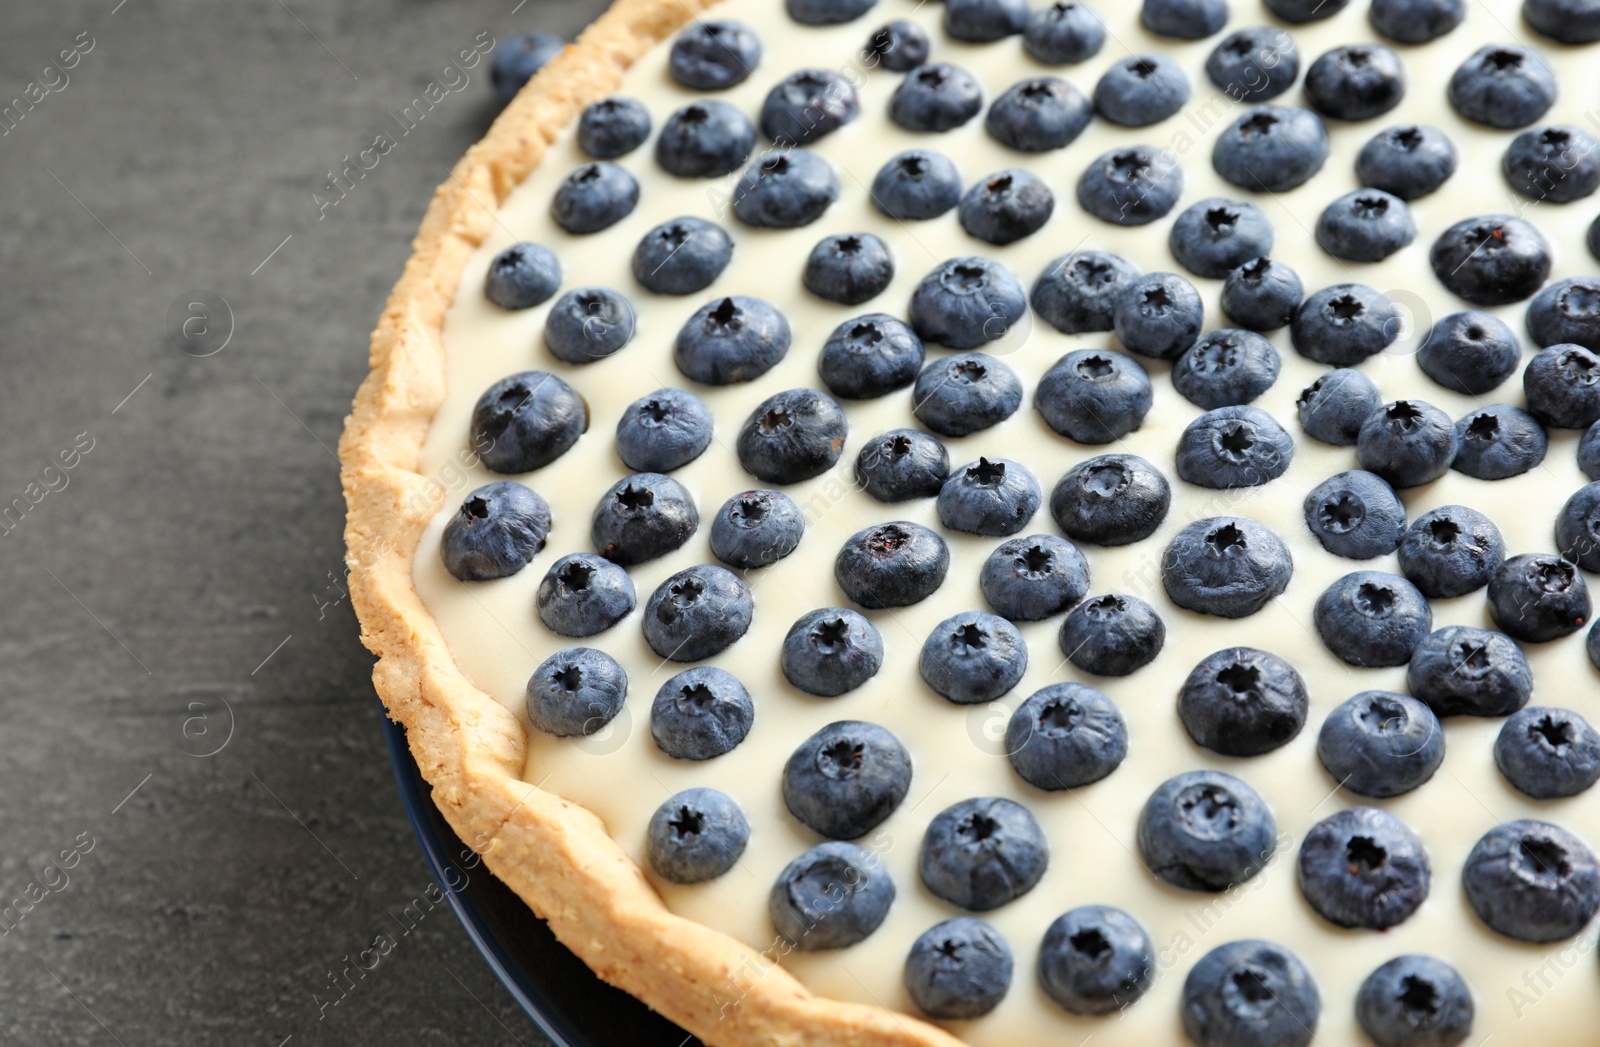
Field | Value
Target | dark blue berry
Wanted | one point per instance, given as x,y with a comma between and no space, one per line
613,127
1367,225
1503,86
1077,292
870,356
1554,164
1498,442
831,651
697,835
730,340
1096,960
899,46
833,896
1254,64
964,393
713,54
642,517
1567,312
1469,352
827,12
1355,82
1234,447
1356,515
705,139
663,431
756,529
1491,260
1064,736
526,421
1006,206
1206,831
1241,701
1408,161
1536,597
576,692
1226,368
973,657
701,713
1217,235
1271,148
1363,867
1184,19
792,436
1450,551
1589,452
960,968
967,302
1141,90
1332,408
1461,670
984,21
596,196
1548,753
991,498
1408,443
588,324
849,268
1094,396
1111,499
891,565
522,276
1415,1001
697,613
1037,115
982,853
1564,21
916,185
1251,993
846,779
1064,32
497,530
1578,527
1370,618
583,594
1158,315
1112,635
1225,566
520,56
1344,324
785,190
1381,744
1131,185
935,97
902,464
1415,22
1562,386
1261,295
1299,12
807,105
1532,881
682,256
1026,579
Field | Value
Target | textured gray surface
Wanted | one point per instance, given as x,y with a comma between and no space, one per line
184,573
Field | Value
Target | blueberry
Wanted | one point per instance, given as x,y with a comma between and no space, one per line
1592,239
899,46
964,393
613,127
1408,442
1491,260
1064,32
1562,386
663,431
973,657
697,835
701,713
1261,295
1356,515
1271,148
1536,597
1499,441
1367,225
733,339
1381,744
1469,352
1184,19
576,692
1332,408
1408,161
1556,163
1226,368
1225,566
522,276
891,565
807,105
521,55
1416,22
785,190
1077,292
981,853
1568,311
1038,115
1589,452
792,436
643,517
498,529
902,464
989,498
1006,206
1141,90
1450,551
1217,235
916,185
705,139
848,268
960,968
596,196
1254,64
1111,499
1234,447
1065,736
870,356
526,421
1503,86
697,613
682,256
1355,82
846,779
1548,753
1370,618
1112,635
830,651
588,324
713,54
1363,867
1131,185
1299,12
833,896
583,594
935,97
827,12
1158,315
984,21
1344,324
1096,960
1565,21
1251,993
966,302
1465,671
1532,881
1094,396
1242,702
1026,579
756,529
1415,1001
1206,831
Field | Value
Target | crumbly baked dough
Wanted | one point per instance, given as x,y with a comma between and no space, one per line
556,855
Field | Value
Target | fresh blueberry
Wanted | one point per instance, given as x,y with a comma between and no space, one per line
1367,225
1226,368
1363,867
1112,635
891,565
519,57
1206,831
596,196
1416,22
785,190
583,594
935,97
713,54
1536,597
870,356
1592,239
663,431
1408,442
613,127
1141,90
984,21
1271,148
966,302
1344,324
697,613
1503,86
827,12
960,968
756,529
1026,579
964,393
899,46
1094,396
831,651
1562,386
1006,206
1251,993
1065,736
1415,1001
1567,312
588,324
498,529
705,139
643,517
522,276
1096,960
1254,64
1564,21
902,464
1037,115
989,498
1407,161
697,835
1077,292
981,853
1381,744
1532,881
1461,670
846,779
1225,566
1299,12
1184,19
1131,185
1217,235
1261,295
1469,352
1356,515
807,105
526,421
849,268
1450,551
1355,82
576,692
973,657
1370,618
701,713
1555,164
730,340
1499,441
1111,499
833,896
682,256
1234,447
916,185
1491,260
1241,701
1158,315
1332,408
1063,33
792,436
1589,452
1548,753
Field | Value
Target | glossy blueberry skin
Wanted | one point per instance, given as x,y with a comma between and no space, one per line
1096,960
1261,295
1280,1009
613,127
588,324
1077,292
1415,22
892,564
1271,148
848,268
521,56
1241,701
1355,82
1006,206
1217,235
792,436
642,517
1578,527
1206,831
1356,515
967,302
1450,551
1408,442
713,54
785,191
1363,867
522,276
962,394
1065,736
1370,618
1038,115
1469,352
697,835
846,779
1026,579
1562,386
1064,33
1499,441
831,651
982,853
1548,753
916,185
827,12
1234,447
1112,635
1407,161
576,692
1111,499
733,339
870,356
833,896
1491,259
1556,163
1225,566
1367,225
583,594
596,196
1381,744
1227,367
808,105
682,256
960,968
991,498
985,21
1536,597
1299,12
1094,396
1567,312
497,530
1184,19
1415,1001
1344,324
1254,64
1158,315
902,464
973,657
899,46
1502,86
1589,452
1332,408
1532,881
1460,670
697,613
1141,90
756,529
1131,185
526,421
705,139
701,713
1565,21
663,431
935,97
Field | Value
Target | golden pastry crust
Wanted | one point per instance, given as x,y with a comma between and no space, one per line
556,855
